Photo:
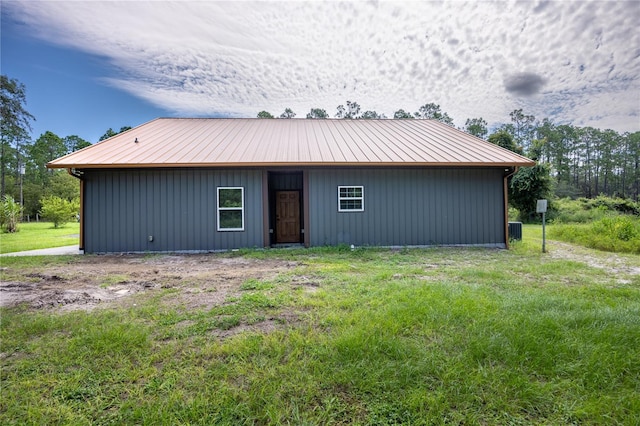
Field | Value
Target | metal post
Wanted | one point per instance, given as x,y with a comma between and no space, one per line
21,171
544,238
541,207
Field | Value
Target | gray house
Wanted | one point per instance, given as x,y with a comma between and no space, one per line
217,184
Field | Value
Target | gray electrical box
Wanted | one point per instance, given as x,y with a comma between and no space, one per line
541,207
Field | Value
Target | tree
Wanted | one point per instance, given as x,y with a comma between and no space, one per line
528,186
47,147
633,150
265,114
504,139
352,111
58,210
402,115
476,127
10,214
74,143
524,127
15,125
371,115
317,113
111,133
432,111
288,113
63,185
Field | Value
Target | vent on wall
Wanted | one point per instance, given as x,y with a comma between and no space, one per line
515,231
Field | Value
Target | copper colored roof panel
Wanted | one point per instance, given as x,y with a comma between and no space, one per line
215,142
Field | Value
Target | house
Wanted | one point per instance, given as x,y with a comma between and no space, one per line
183,184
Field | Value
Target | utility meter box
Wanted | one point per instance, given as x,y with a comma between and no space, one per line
541,207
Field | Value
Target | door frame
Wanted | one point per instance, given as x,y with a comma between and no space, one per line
269,187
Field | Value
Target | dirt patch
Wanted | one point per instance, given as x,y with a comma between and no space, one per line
200,281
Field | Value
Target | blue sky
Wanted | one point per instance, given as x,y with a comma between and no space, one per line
88,66
65,92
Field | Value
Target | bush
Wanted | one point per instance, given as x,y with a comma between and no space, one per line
619,233
10,214
58,210
619,205
585,210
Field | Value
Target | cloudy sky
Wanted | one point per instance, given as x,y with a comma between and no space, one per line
92,65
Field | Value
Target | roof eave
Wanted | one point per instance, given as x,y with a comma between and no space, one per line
54,165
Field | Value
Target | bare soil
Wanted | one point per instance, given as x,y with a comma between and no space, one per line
201,281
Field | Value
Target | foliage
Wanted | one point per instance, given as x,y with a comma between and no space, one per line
58,210
476,127
265,114
620,205
432,111
39,235
288,113
522,128
614,233
402,115
583,210
15,125
317,113
111,133
63,185
74,143
505,140
47,147
447,336
352,111
372,115
10,214
527,186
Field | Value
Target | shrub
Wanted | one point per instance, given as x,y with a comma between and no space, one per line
618,227
10,214
619,233
58,210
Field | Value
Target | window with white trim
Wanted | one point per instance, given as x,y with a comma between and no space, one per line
351,198
230,207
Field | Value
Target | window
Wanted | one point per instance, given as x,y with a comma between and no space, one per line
351,198
230,209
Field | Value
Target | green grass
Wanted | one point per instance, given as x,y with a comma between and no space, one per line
433,336
620,234
39,235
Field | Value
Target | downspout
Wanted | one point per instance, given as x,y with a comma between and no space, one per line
78,174
506,204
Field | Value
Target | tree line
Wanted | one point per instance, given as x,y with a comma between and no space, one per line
581,161
23,173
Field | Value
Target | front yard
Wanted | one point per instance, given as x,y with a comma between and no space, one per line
323,336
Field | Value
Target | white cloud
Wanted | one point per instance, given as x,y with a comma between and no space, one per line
237,58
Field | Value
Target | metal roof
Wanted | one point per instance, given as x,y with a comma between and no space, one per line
215,142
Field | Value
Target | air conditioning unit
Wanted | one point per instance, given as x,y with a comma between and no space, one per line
515,231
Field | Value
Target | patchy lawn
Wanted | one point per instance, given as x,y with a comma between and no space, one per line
323,336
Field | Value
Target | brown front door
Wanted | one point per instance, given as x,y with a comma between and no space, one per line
287,217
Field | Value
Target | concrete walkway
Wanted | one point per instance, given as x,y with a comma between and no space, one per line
55,251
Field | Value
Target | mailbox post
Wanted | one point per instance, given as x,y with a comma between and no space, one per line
541,207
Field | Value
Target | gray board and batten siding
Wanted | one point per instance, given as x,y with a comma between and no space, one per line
402,207
410,207
176,207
